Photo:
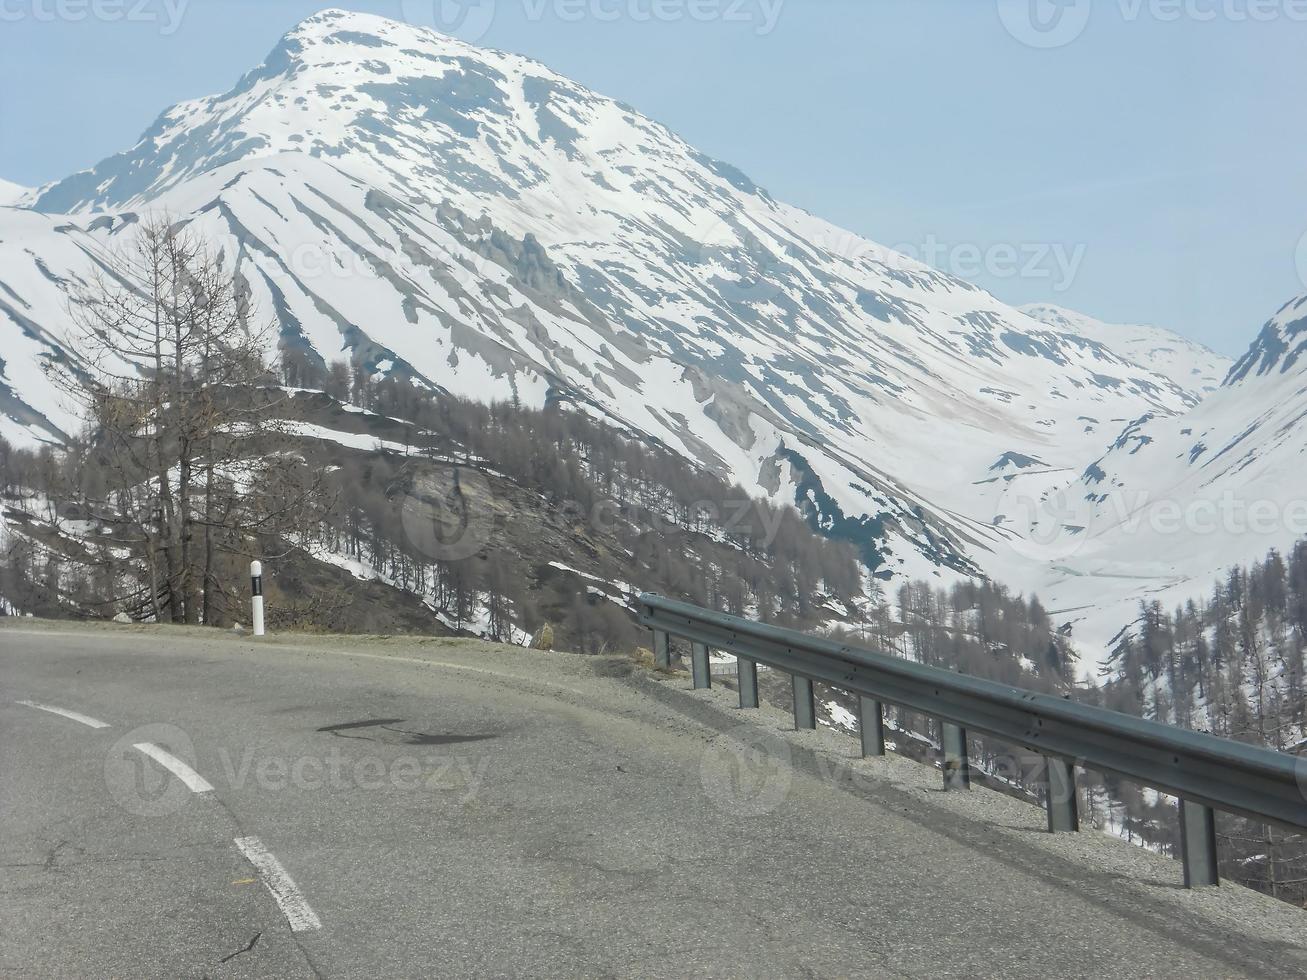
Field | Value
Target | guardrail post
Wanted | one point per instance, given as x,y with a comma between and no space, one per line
662,649
699,665
957,770
1060,801
1198,845
746,672
871,726
805,707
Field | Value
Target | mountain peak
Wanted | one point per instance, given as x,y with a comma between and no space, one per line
368,29
342,85
1278,347
333,15
345,40
423,116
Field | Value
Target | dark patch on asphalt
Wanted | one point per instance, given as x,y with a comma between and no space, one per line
249,946
408,737
370,723
423,738
612,667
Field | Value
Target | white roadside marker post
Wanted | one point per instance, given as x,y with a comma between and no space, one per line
256,595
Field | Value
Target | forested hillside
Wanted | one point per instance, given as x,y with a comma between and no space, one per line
1233,665
501,519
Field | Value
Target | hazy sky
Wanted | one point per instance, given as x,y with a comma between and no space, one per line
1150,168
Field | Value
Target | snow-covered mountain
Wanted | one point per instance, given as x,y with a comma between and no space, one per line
11,193
1178,499
472,221
1188,363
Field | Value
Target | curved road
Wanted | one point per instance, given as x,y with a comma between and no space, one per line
367,808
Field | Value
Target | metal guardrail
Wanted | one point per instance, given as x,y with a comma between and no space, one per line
1207,773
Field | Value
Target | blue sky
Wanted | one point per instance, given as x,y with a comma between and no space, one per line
1151,169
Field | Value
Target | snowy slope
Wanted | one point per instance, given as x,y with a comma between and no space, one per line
1189,364
1178,499
473,221
10,194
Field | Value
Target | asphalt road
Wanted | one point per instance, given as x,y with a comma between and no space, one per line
374,808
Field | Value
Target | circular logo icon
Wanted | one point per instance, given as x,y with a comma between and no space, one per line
449,513
468,20
747,771
1044,23
1054,525
138,783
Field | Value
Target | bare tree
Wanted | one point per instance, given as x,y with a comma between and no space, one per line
172,383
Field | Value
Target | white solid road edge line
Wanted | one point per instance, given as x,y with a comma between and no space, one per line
193,780
288,895
74,715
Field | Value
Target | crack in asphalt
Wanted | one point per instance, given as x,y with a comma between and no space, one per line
339,730
248,946
367,723
294,936
423,738
52,856
387,724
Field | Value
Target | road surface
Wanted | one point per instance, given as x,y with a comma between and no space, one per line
179,802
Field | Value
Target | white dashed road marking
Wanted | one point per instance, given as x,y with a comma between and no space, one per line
75,716
293,904
193,780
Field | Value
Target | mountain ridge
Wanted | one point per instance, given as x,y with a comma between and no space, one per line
470,221
1186,362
